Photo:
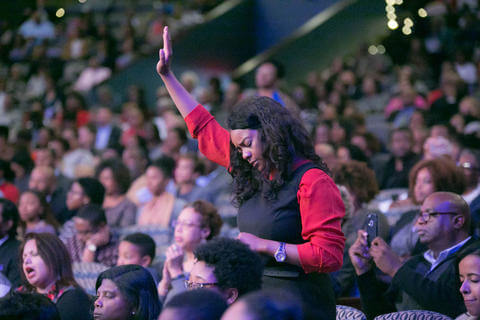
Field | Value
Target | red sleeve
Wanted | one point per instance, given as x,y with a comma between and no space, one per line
10,192
321,211
213,139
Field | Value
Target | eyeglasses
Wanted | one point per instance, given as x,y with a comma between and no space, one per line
177,223
195,285
427,215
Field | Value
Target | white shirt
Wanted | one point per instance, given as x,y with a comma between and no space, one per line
103,135
428,255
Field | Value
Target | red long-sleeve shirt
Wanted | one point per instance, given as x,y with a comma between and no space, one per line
321,207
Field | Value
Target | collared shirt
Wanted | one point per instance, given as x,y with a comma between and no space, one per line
103,134
428,255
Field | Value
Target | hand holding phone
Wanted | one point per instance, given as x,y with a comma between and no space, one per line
371,228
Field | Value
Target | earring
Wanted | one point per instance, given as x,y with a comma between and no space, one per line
133,313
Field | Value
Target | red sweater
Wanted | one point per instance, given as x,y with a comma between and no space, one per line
321,206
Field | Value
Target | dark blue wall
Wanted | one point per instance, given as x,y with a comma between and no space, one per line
276,19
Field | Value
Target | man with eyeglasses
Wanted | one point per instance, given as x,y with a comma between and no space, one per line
226,266
427,281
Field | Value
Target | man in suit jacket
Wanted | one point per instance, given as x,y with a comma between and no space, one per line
8,243
108,135
428,281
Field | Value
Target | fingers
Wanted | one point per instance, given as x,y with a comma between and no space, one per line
167,42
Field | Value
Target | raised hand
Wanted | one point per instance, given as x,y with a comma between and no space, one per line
174,260
165,54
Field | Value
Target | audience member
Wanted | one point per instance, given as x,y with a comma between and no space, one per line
163,207
138,248
226,266
266,305
198,222
427,281
43,180
469,162
92,240
108,135
188,168
199,304
8,243
35,215
469,270
126,292
27,306
47,269
7,188
82,192
114,176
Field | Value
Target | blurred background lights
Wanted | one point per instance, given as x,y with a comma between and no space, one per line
392,24
408,22
381,49
82,1
390,9
60,13
390,2
372,50
399,2
422,13
391,16
406,30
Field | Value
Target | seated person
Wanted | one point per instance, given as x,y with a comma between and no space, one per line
8,243
197,223
92,240
266,305
138,248
226,266
115,177
163,207
427,281
27,306
200,304
35,215
187,170
469,270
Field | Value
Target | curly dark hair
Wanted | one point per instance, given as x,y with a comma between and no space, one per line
235,265
210,216
120,173
283,138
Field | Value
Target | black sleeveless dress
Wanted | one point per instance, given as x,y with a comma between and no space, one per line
280,220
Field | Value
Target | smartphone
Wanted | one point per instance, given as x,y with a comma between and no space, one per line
371,227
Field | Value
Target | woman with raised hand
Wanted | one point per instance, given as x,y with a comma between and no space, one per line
290,210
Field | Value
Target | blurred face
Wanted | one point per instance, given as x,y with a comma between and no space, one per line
338,133
84,229
43,157
439,131
343,154
322,134
29,207
156,181
184,171
423,185
85,138
76,197
361,143
35,269
266,76
400,143
470,168
189,232
247,142
128,253
469,269
108,181
103,116
40,181
110,303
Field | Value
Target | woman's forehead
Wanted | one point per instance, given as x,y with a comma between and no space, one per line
238,135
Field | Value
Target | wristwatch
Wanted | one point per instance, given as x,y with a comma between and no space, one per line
91,247
281,254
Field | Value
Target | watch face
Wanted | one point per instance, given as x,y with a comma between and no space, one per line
281,257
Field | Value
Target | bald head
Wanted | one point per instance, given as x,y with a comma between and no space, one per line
449,202
42,179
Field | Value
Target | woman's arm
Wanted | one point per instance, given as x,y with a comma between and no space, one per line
181,97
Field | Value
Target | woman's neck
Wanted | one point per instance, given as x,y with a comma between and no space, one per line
30,224
47,288
113,200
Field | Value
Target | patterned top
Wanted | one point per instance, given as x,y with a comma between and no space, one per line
106,254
